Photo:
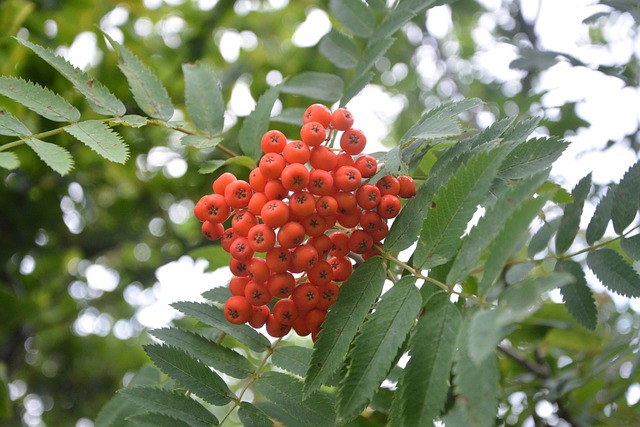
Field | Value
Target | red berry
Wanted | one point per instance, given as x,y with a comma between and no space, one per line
285,311
407,187
273,141
341,119
313,133
222,181
237,310
317,113
353,141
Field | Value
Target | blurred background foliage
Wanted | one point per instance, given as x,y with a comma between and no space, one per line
80,253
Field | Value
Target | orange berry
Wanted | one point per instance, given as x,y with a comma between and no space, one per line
237,310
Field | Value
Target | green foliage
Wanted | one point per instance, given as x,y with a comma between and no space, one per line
467,303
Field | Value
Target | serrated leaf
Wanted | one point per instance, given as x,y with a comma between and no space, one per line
292,358
570,221
476,386
150,95
626,199
631,246
541,238
218,294
510,238
203,97
190,373
600,219
614,272
172,404
292,116
118,408
208,352
286,393
257,123
339,49
311,84
213,316
251,416
101,139
38,99
354,15
152,419
11,126
531,157
357,295
422,389
55,156
518,133
481,236
453,207
577,296
213,165
200,142
131,120
405,228
376,346
440,122
9,160
355,86
100,99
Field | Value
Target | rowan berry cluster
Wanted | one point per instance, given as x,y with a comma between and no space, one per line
306,206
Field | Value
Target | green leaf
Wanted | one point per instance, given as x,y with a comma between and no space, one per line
216,256
631,246
541,238
570,221
203,97
214,316
454,206
440,122
9,160
38,99
154,419
339,49
292,358
626,199
257,123
101,139
405,229
130,120
100,99
286,393
200,142
11,126
208,352
311,84
55,156
218,294
147,90
600,219
251,416
357,295
189,372
355,86
292,116
376,346
481,236
531,157
422,389
213,165
354,15
476,386
518,133
509,240
119,408
171,403
577,296
614,272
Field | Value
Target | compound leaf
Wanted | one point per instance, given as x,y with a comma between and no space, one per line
405,228
357,295
454,206
339,49
577,296
208,352
150,95
214,316
190,373
257,123
38,99
203,98
251,416
9,160
376,346
614,272
100,99
154,419
11,126
423,385
354,15
570,221
531,157
440,122
292,358
600,219
285,392
631,246
55,156
101,139
171,403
